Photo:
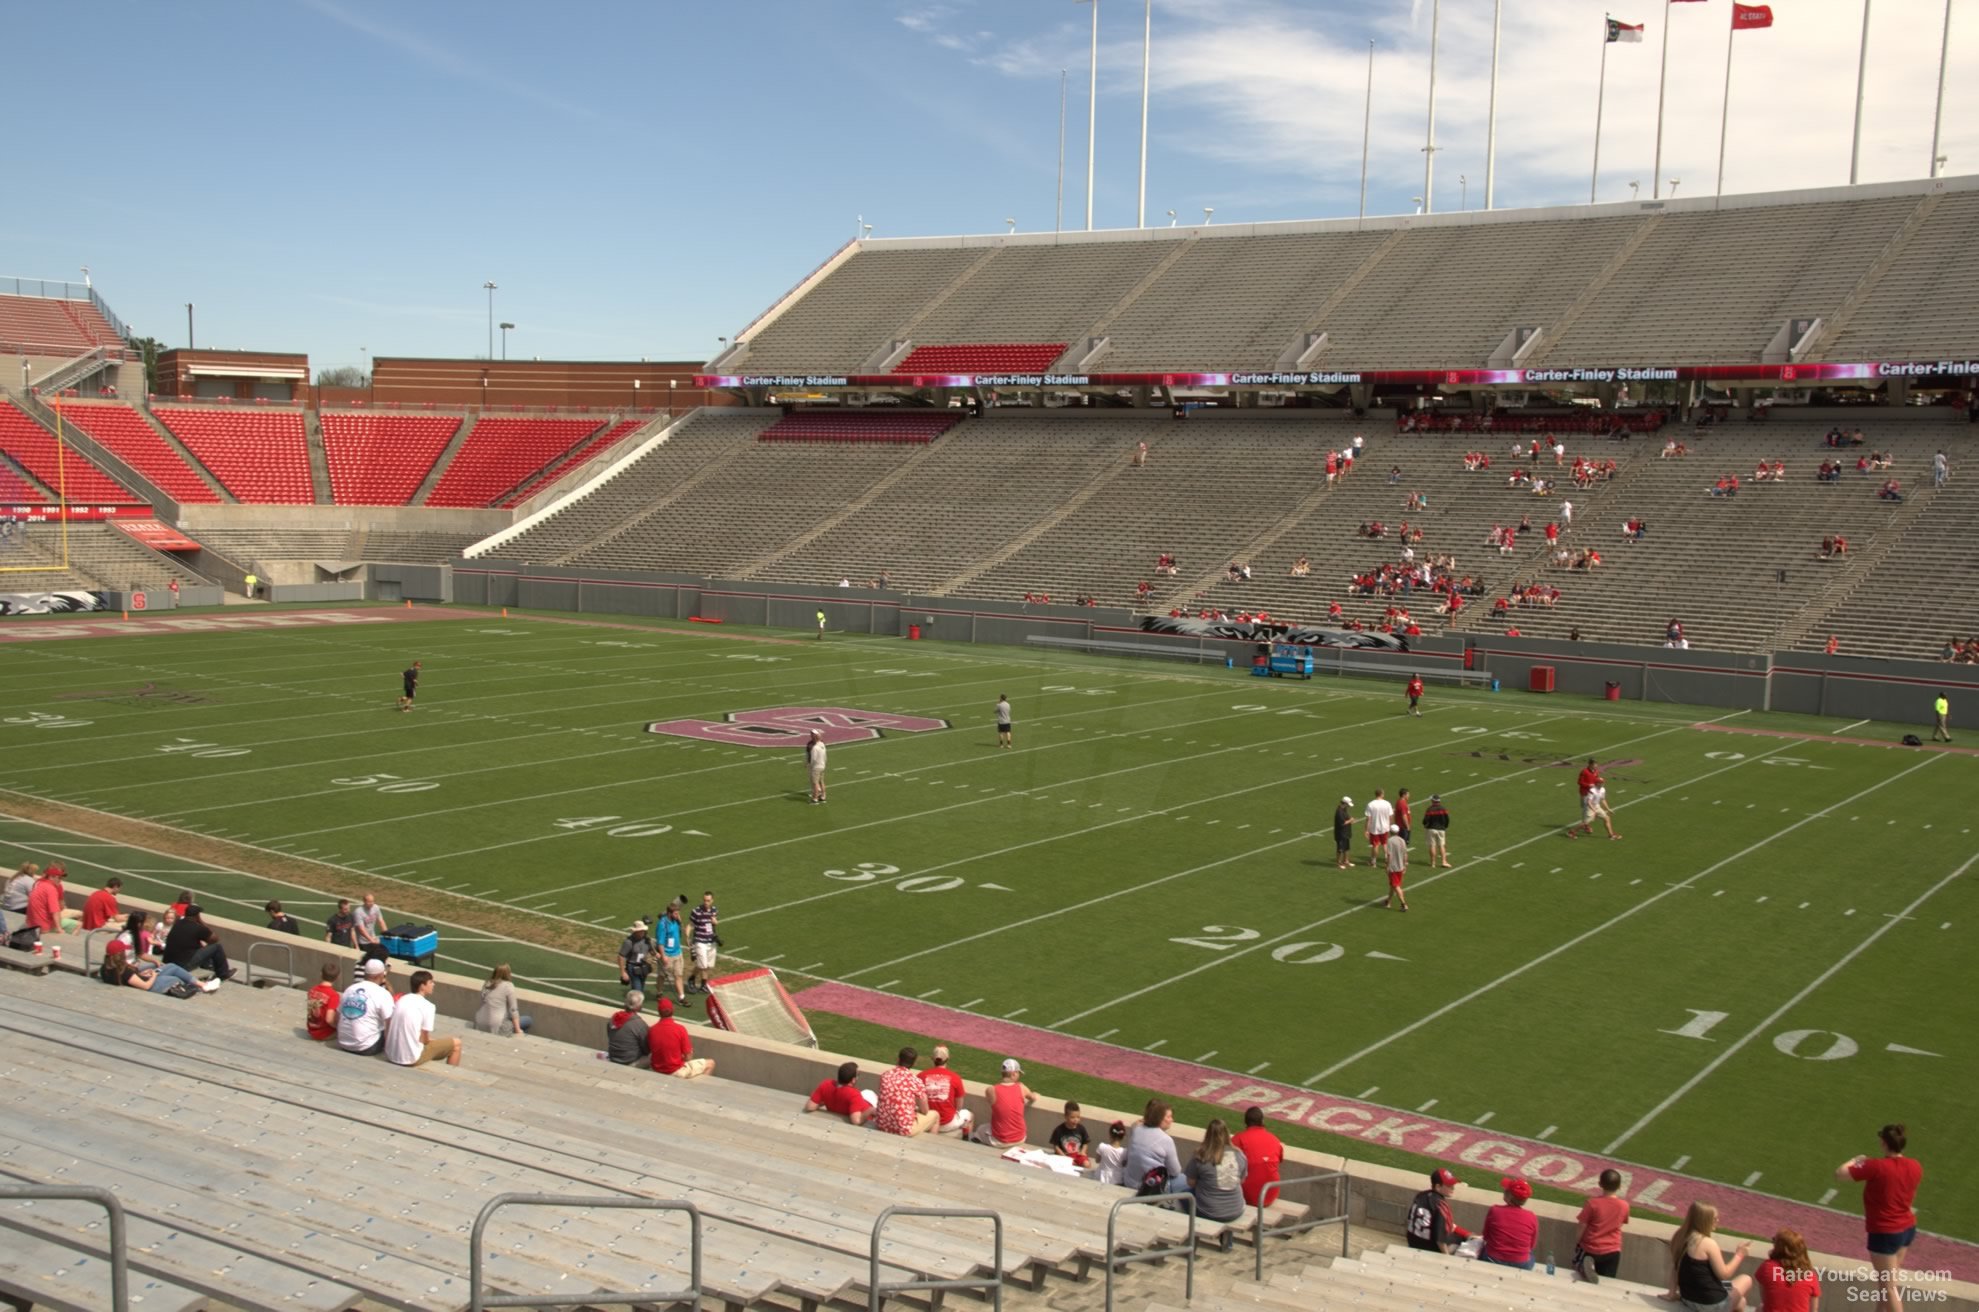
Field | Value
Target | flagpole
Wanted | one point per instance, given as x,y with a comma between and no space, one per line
1861,79
1491,114
1367,122
1429,144
1656,178
1600,96
1092,117
1725,112
1938,119
1147,48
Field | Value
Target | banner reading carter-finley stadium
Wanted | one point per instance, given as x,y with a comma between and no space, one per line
1924,371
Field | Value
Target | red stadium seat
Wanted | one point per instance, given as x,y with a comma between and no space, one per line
982,358
381,459
260,456
499,454
124,432
602,442
67,472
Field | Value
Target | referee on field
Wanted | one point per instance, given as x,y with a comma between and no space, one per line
411,687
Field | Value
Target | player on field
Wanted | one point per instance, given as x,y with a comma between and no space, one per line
1403,825
1591,804
814,761
1415,695
411,678
1003,719
1601,811
1436,819
1343,832
1397,851
1380,814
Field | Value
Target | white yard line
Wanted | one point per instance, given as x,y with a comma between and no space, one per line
1615,920
1739,1044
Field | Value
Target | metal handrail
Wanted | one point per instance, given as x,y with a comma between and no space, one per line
287,951
478,1298
120,1262
876,1292
1269,1195
89,947
1187,1252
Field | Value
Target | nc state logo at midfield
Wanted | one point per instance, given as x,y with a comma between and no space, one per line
789,726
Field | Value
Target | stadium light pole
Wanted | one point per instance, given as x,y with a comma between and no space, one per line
1861,80
505,328
1938,118
1367,123
1058,225
1092,110
1147,50
1491,112
1429,144
490,285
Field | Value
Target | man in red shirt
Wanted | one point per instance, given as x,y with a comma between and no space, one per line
673,1049
101,908
1590,779
319,1012
44,901
1415,693
945,1094
840,1096
1262,1154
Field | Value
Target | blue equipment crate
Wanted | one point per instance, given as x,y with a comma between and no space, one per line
419,950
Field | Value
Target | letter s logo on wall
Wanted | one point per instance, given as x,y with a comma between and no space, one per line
789,726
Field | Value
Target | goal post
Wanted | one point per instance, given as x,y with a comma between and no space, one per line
754,1002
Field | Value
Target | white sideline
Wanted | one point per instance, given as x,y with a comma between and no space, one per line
1683,1090
1616,919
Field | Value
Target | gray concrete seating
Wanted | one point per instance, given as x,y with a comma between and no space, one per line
268,1171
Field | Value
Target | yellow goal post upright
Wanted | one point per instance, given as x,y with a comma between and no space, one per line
61,506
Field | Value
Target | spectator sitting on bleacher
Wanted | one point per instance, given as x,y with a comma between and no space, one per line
1070,1138
1890,491
672,1047
903,1107
1394,475
1829,472
945,1094
137,938
1152,1165
366,1008
1143,590
118,968
1216,1177
1634,529
1430,1227
319,1007
192,945
1301,568
840,1096
1598,1246
1165,564
409,1037
101,908
1008,1099
1726,486
20,885
1263,1153
1510,1229
1700,1275
625,1032
46,912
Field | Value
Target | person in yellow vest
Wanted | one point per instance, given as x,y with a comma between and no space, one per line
1943,732
252,580
821,624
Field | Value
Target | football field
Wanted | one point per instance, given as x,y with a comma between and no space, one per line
1773,960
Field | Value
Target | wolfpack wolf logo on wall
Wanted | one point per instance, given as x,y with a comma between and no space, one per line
49,603
789,726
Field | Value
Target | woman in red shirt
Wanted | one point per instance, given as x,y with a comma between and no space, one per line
1786,1280
1509,1229
1889,1186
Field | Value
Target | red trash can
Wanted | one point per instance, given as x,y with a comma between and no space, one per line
1614,691
913,633
1542,678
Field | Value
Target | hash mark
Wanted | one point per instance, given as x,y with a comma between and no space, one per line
1753,1179
1255,1069
1679,1164
1206,1056
1156,1044
1015,1014
889,984
1369,1092
1114,1030
1426,1106
929,994
1547,1133
1826,1197
1484,1118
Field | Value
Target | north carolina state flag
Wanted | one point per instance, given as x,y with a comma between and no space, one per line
1747,17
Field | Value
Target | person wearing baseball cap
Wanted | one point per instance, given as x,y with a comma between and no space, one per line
1431,1226
1343,832
672,1047
635,957
945,1094
1510,1228
362,1014
1008,1099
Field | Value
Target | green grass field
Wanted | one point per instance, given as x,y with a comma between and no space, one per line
1774,960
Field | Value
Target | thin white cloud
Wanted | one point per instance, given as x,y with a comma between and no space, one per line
449,62
1276,88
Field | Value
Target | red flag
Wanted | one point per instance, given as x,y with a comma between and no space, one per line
1747,17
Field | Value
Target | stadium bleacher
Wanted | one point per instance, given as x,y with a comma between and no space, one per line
128,436
259,455
381,459
902,427
503,453
982,358
590,450
59,468
53,326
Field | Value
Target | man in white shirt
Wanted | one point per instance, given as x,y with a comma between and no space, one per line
1380,814
814,761
365,1009
1397,852
1567,514
409,1038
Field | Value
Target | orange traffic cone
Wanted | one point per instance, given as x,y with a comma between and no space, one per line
505,612
408,603
127,614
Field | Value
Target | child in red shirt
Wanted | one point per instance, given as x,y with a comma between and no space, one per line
1598,1248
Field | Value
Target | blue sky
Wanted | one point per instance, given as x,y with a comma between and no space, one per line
341,177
